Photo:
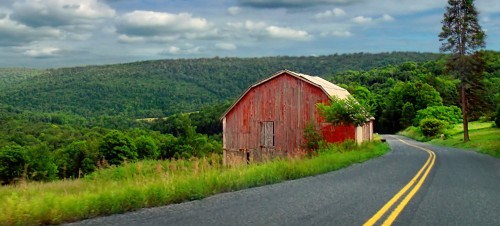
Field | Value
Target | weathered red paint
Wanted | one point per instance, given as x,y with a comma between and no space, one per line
290,103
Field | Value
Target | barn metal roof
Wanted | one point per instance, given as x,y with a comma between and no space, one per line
329,88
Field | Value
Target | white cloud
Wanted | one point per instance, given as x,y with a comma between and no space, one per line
187,50
56,13
263,30
226,46
164,26
387,17
336,12
288,33
234,10
173,50
362,20
43,52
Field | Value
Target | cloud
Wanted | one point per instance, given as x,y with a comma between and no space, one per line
162,26
336,12
362,20
234,10
293,3
342,34
225,46
44,52
261,30
13,33
187,50
57,13
387,17
287,33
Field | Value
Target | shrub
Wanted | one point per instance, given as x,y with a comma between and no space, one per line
431,127
449,114
312,137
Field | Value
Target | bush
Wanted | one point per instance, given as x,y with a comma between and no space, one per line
312,137
431,127
449,114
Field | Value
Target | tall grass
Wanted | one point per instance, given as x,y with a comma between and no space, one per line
154,183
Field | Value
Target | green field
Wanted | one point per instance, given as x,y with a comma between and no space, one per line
483,138
154,183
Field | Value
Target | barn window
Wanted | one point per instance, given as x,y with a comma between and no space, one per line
267,134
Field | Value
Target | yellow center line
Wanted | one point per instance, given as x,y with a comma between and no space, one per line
428,165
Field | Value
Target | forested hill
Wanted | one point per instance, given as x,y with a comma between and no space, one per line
162,87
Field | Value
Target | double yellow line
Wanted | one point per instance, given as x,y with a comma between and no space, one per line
416,182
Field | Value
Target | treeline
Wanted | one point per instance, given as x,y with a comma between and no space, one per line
164,87
399,95
56,147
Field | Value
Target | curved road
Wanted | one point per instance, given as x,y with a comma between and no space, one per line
460,188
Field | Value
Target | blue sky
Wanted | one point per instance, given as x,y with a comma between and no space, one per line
59,33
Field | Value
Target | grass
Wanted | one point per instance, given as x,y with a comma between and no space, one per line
483,136
484,140
155,183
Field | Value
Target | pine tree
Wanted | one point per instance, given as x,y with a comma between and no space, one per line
462,36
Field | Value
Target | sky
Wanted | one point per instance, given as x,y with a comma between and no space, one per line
64,33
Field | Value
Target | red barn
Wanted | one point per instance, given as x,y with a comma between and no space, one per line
269,119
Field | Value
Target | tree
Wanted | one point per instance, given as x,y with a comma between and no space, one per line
462,36
117,147
344,111
12,163
146,147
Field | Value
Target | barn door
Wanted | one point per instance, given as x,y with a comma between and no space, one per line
267,134
267,140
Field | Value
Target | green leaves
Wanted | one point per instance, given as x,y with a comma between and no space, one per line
344,111
117,147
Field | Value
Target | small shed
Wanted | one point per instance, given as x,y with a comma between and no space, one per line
269,118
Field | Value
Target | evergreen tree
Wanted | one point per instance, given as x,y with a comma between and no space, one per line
462,36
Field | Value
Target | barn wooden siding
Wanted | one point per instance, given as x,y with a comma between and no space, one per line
270,118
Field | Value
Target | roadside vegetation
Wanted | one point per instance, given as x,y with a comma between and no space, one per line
149,183
484,137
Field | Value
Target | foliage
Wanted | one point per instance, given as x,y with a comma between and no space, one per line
431,127
160,88
117,147
462,36
449,114
344,111
76,159
155,183
312,137
146,148
408,114
12,163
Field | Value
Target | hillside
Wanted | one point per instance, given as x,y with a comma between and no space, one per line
10,76
162,87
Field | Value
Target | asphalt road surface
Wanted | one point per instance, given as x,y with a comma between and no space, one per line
455,187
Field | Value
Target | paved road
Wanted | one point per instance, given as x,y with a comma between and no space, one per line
462,188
